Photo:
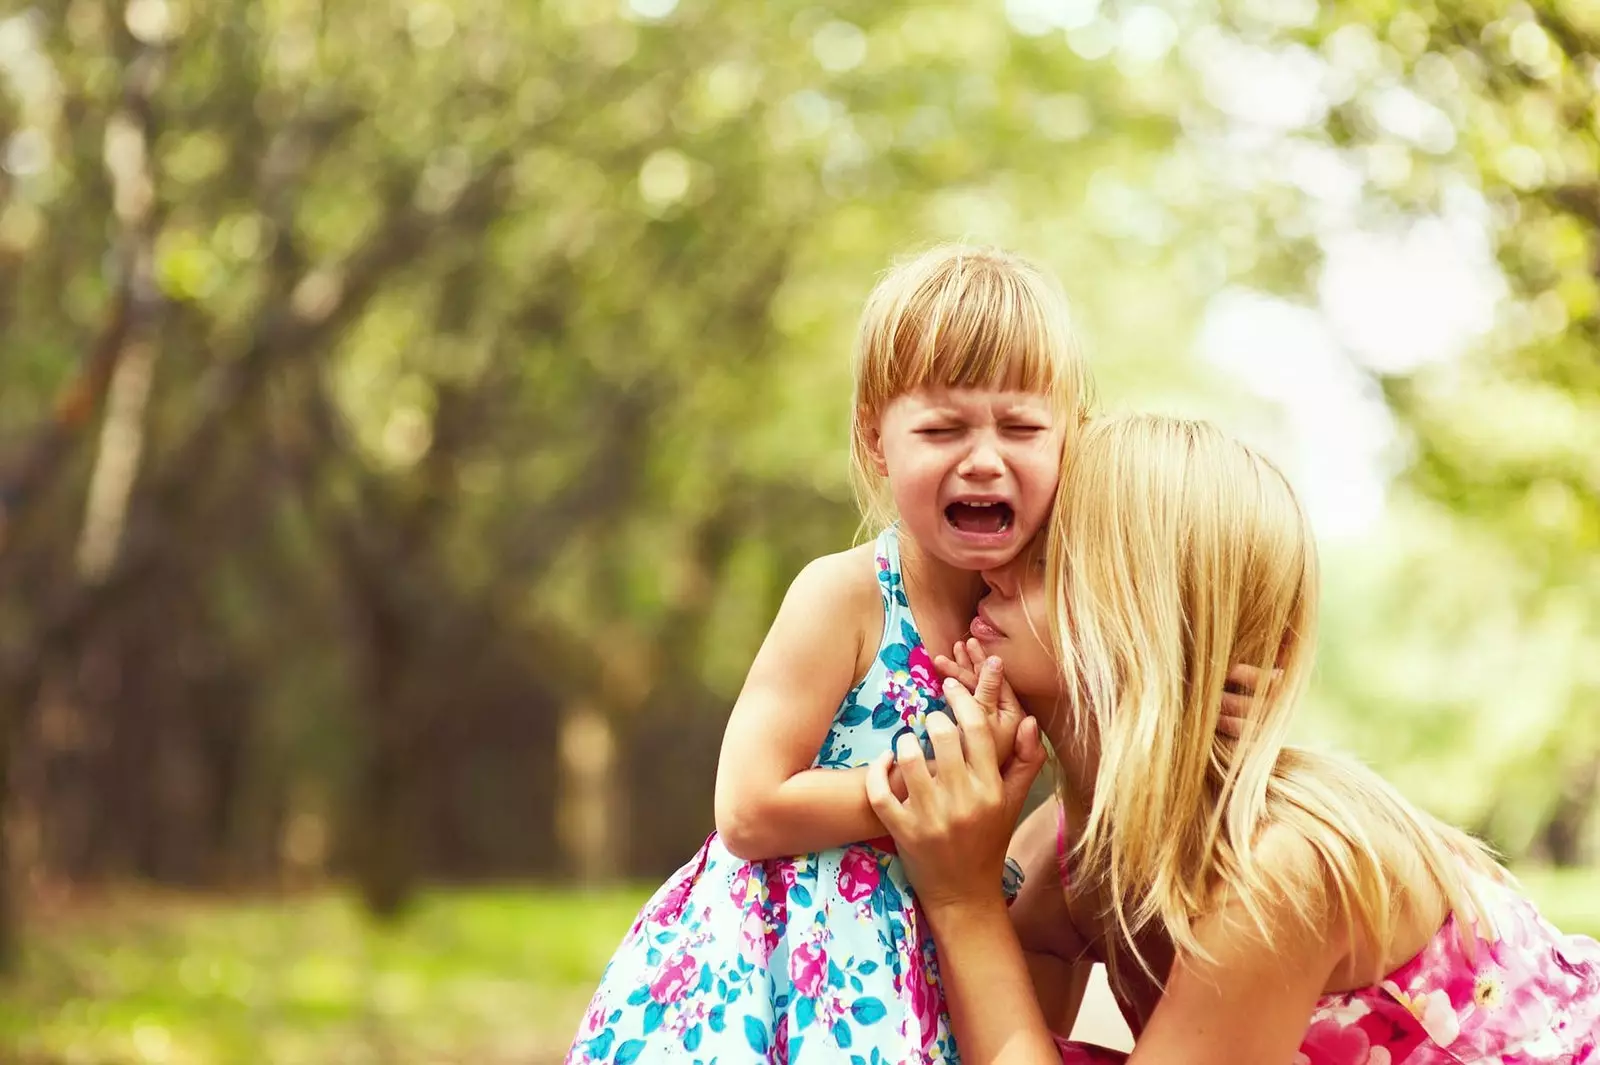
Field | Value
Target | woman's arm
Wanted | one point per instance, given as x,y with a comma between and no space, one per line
952,832
1253,1000
1057,957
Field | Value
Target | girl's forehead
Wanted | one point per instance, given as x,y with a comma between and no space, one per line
992,400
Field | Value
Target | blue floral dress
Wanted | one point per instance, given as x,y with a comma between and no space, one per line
818,958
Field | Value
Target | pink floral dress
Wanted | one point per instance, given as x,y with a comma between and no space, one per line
821,957
1529,996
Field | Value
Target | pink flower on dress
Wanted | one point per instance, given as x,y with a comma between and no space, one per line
671,905
808,969
780,1041
858,874
919,981
759,936
1433,1011
1328,1041
921,667
675,977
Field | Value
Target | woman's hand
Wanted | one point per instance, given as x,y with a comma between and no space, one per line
985,678
951,830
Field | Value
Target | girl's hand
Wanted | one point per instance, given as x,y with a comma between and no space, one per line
985,679
951,831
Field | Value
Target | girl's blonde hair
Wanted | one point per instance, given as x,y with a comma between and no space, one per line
1177,553
959,316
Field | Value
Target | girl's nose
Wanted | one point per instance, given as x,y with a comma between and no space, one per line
982,462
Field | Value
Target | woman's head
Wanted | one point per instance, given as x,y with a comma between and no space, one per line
1173,554
967,384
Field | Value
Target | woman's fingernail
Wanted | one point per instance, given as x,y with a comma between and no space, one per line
994,662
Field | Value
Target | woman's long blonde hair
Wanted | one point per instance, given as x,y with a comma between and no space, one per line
959,316
1177,553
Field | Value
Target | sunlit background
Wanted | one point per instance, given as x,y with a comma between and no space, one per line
412,412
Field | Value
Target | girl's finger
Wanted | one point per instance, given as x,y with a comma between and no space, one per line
987,691
949,668
975,651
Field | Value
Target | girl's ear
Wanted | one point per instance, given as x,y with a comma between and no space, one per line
872,437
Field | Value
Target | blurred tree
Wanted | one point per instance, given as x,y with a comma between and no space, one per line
470,370
1456,118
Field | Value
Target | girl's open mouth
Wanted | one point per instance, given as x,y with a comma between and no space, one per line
979,518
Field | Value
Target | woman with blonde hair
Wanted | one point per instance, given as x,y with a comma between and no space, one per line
1253,901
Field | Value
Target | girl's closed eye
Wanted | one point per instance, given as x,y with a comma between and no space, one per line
939,432
1024,429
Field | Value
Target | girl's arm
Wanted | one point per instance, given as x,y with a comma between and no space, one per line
770,802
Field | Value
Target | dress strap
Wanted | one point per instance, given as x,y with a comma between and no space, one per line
891,583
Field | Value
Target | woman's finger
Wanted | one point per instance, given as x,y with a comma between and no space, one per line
913,767
880,794
946,741
974,727
1026,761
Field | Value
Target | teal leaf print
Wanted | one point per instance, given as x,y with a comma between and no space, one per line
600,1045
794,1047
867,1010
691,1038
885,715
835,977
856,985
896,656
908,634
805,1011
640,996
652,957
857,1059
854,716
705,978
652,1016
867,968
755,1033
800,895
841,1034
717,1019
616,1015
629,1051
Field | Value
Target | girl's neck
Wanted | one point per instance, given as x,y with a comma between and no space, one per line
943,597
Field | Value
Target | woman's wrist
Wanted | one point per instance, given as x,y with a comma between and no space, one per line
957,910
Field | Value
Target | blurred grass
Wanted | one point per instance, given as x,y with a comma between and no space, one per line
471,976
486,977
